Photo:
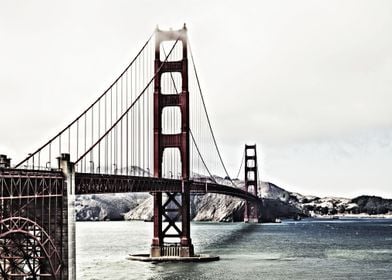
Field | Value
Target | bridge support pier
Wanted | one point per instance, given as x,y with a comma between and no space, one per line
251,213
179,204
157,240
69,239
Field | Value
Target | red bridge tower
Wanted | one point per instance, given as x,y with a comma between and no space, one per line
176,206
252,210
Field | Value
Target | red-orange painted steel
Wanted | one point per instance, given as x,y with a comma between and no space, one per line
32,229
180,141
252,209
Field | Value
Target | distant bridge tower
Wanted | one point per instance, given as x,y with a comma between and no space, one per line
176,205
252,210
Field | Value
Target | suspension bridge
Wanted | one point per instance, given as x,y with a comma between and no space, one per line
148,132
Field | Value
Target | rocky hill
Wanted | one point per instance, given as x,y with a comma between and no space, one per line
207,207
277,203
370,205
102,207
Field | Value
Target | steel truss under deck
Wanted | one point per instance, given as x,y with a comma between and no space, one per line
32,224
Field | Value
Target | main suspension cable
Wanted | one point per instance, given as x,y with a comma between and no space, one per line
208,118
242,163
131,106
190,131
201,157
92,105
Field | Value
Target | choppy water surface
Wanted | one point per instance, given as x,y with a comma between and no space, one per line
311,249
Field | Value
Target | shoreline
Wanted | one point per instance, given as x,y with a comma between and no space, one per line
353,216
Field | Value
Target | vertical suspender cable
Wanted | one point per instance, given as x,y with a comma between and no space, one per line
207,116
92,141
121,131
144,89
77,139
126,126
99,135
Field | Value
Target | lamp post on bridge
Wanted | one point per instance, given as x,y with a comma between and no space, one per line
5,162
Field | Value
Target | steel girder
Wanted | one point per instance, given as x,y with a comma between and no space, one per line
31,224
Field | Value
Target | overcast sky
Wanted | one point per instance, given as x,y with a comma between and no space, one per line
309,81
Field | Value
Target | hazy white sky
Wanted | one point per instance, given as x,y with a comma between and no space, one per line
309,81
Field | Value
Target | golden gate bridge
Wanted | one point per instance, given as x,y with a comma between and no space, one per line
148,132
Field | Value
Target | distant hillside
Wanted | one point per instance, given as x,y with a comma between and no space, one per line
277,203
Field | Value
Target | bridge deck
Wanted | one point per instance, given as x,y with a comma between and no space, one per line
89,183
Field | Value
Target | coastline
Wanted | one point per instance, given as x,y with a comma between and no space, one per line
353,216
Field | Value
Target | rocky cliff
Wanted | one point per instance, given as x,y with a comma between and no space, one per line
277,203
371,205
207,207
106,206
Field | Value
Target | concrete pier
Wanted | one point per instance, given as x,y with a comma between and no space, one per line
69,219
194,258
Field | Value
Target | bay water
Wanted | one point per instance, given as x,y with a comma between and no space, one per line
307,249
